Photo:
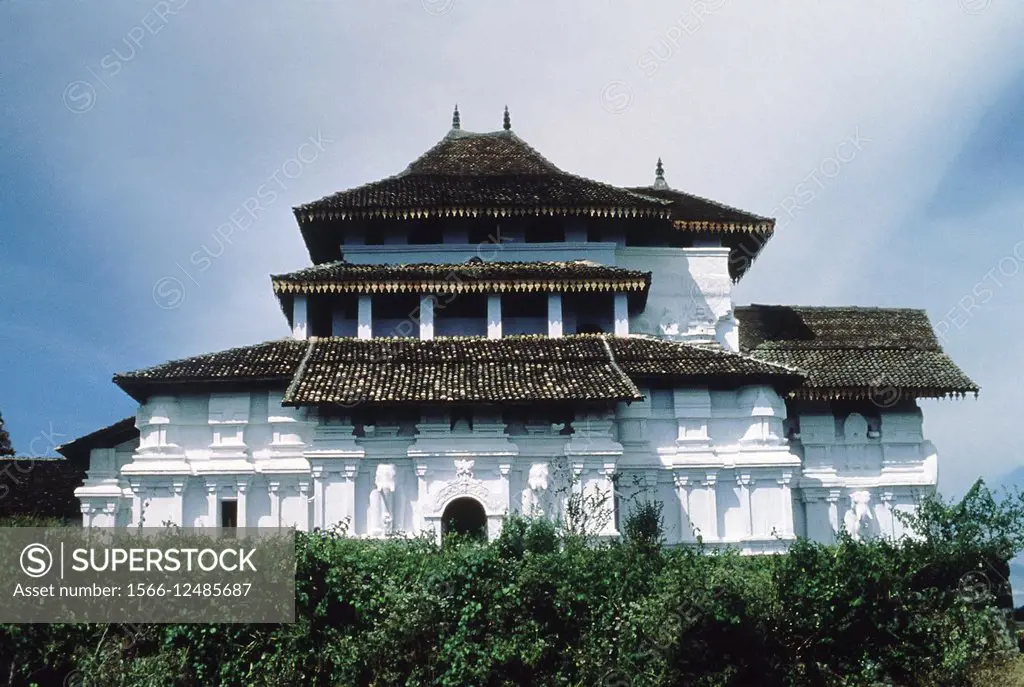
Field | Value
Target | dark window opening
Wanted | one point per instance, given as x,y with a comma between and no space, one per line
544,233
229,513
428,232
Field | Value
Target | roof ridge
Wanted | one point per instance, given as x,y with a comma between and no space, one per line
299,371
615,366
864,308
705,199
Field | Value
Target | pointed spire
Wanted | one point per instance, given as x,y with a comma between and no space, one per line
456,122
508,120
659,175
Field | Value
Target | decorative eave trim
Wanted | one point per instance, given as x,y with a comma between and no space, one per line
882,395
308,214
445,286
767,227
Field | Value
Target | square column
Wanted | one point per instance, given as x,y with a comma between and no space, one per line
745,482
554,314
426,317
242,493
365,326
621,315
212,505
710,484
786,512
683,486
300,317
494,316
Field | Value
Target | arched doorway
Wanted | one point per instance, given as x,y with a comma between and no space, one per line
464,516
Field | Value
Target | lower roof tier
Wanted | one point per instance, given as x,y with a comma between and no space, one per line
514,369
881,354
818,353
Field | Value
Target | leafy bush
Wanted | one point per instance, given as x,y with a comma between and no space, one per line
543,605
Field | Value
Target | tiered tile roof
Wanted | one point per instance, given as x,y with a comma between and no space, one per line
472,277
342,370
852,352
744,233
271,361
459,369
482,174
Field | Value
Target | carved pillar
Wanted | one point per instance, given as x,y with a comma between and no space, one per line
889,525
833,510
506,488
274,487
711,514
303,521
683,488
744,481
87,511
242,491
786,513
212,514
348,495
319,514
137,507
422,494
611,527
178,489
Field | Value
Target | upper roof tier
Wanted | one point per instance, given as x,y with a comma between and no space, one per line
475,276
482,174
469,175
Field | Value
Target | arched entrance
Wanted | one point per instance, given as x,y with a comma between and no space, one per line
464,516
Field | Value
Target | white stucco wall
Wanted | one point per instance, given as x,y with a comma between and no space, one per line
718,460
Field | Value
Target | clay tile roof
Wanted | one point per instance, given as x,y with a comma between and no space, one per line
459,369
677,361
491,277
514,369
269,361
482,174
105,437
848,352
744,233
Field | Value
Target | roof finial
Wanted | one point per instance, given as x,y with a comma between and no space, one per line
659,175
508,120
456,123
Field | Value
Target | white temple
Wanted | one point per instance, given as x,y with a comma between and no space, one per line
484,334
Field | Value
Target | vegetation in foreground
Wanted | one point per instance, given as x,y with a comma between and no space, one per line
546,605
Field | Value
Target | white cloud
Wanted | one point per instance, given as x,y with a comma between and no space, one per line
751,98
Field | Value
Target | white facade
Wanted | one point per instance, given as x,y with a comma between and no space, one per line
729,465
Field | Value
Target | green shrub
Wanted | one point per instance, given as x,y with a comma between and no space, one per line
547,606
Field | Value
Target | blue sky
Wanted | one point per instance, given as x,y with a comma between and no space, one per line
130,132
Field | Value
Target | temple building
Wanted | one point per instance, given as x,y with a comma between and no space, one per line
485,334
